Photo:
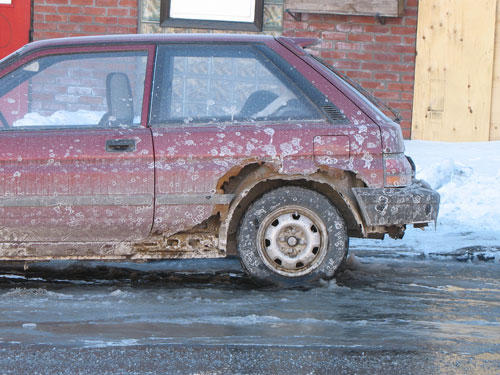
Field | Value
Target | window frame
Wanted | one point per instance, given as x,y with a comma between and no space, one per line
150,50
167,21
260,49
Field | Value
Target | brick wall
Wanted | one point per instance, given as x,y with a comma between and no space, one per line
61,18
380,57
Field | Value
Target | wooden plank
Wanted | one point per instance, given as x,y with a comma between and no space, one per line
495,96
387,8
454,70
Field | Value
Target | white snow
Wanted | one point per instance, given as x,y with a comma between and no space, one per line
467,176
80,117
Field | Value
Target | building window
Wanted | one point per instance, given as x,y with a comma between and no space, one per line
245,15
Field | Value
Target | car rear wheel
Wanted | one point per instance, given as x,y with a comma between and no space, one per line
292,236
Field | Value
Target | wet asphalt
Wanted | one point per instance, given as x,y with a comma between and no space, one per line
385,314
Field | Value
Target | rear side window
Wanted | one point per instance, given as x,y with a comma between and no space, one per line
232,83
72,90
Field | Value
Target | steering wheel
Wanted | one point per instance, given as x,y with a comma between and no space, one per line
3,120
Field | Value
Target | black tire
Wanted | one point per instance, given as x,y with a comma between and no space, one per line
292,236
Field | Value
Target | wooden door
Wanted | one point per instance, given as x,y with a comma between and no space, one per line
454,69
15,17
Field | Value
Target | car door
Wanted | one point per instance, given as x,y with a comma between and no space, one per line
215,109
76,160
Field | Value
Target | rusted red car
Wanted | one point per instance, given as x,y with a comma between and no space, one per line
144,147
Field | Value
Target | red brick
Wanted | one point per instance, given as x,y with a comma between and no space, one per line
295,25
68,27
106,20
80,19
358,74
121,30
349,28
44,9
57,2
360,37
407,77
411,12
410,21
386,57
410,40
359,56
69,10
55,18
407,95
377,29
333,54
38,35
400,105
127,21
374,66
94,11
128,3
388,38
310,17
411,3
401,68
387,76
324,45
82,2
106,3
330,35
348,46
118,12
41,26
387,95
321,26
308,34
403,30
345,64
389,48
372,84
409,59
94,29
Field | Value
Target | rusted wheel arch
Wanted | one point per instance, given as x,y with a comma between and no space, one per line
262,179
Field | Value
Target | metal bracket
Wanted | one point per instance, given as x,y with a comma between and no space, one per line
380,18
295,15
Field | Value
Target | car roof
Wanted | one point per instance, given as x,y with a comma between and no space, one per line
146,38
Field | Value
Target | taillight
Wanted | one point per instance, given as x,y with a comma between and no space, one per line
397,170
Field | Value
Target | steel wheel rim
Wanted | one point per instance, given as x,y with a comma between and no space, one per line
292,241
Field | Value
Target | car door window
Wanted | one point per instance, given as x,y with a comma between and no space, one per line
74,90
232,83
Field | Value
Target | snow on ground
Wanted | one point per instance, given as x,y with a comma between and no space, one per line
467,176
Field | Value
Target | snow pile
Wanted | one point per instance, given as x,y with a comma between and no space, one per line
467,176
80,117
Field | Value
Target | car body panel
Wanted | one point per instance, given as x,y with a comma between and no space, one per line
180,191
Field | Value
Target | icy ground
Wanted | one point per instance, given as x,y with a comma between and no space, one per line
467,175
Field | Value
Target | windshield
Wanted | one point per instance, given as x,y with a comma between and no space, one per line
384,108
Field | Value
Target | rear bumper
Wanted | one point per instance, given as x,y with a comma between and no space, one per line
414,204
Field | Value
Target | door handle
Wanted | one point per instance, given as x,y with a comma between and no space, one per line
120,145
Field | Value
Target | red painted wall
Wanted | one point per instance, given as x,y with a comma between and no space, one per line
62,18
14,25
380,57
